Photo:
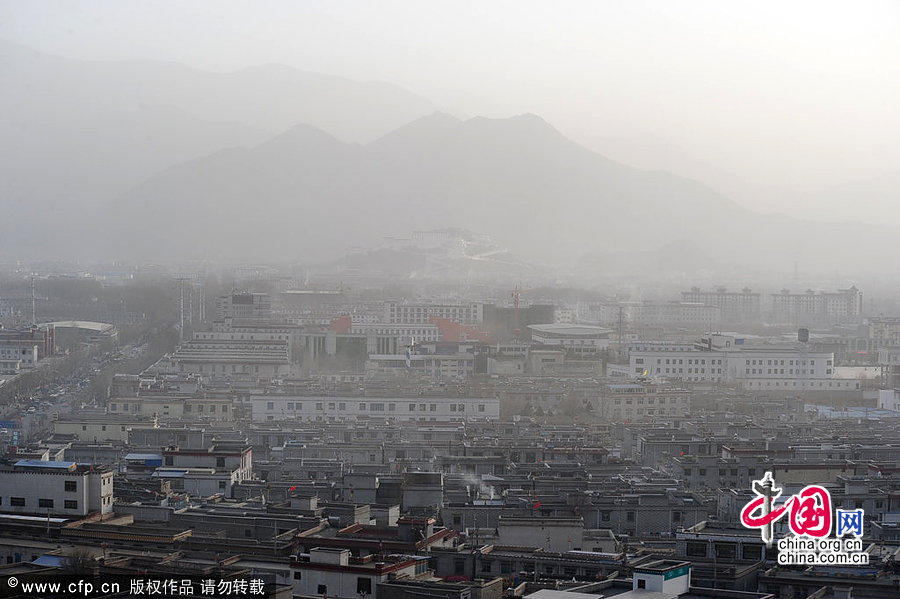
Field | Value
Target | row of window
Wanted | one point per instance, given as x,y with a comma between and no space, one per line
650,401
103,427
846,385
251,337
695,361
781,363
188,408
372,407
69,504
212,368
722,471
640,411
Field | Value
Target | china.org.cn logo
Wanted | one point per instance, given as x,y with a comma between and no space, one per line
810,520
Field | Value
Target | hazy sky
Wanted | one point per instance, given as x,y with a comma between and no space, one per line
802,94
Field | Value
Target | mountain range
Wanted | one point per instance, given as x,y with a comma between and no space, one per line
155,161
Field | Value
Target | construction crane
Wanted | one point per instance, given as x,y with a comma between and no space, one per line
516,293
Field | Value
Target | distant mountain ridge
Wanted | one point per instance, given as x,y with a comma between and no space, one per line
76,134
547,199
158,161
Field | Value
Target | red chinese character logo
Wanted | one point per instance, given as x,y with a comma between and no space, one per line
810,510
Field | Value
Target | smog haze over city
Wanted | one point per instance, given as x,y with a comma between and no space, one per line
461,299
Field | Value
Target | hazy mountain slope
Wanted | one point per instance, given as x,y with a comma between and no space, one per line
39,88
306,195
75,134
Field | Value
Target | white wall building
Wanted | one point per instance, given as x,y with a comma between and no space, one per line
56,488
328,572
769,368
810,307
269,408
456,366
420,313
889,399
14,359
248,306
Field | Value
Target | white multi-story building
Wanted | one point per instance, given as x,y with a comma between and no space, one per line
207,472
686,365
809,307
46,488
727,360
455,366
402,334
15,358
271,408
736,306
640,402
333,572
649,313
247,306
884,331
401,313
889,399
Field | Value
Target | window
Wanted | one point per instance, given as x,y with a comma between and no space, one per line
629,516
70,486
17,501
220,462
298,575
604,516
695,549
170,461
752,552
70,504
322,589
363,585
45,503
642,583
270,405
725,550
